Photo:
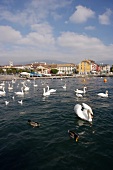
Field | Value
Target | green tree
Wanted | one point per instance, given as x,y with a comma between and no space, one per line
111,69
54,71
1,71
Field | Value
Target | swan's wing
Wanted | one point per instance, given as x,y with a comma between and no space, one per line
85,106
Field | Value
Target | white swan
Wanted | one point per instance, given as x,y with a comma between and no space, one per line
3,92
20,102
6,102
20,92
13,97
79,95
35,85
1,87
64,87
103,94
10,87
2,84
51,90
81,91
45,93
26,88
84,112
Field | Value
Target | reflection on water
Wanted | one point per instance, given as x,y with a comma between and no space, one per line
49,146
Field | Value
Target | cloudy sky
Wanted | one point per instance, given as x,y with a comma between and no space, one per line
63,30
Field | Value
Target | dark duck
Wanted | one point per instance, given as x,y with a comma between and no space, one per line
33,124
73,135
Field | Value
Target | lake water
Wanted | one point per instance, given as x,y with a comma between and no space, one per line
49,147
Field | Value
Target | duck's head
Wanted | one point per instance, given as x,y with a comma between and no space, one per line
29,120
37,124
77,138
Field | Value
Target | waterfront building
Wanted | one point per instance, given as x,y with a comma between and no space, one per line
85,66
66,68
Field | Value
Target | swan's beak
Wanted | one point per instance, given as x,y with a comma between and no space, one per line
91,116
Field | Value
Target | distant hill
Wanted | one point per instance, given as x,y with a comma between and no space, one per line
110,62
43,60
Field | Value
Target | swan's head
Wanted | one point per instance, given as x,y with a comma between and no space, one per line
106,91
90,114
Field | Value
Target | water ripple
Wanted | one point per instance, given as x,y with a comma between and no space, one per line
49,146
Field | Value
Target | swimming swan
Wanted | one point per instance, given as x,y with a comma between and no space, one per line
79,95
103,94
10,87
3,92
64,87
6,102
84,112
26,88
20,102
46,93
20,92
81,91
51,90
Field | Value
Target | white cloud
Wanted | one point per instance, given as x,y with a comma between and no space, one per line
81,15
40,35
9,35
42,28
105,18
40,44
82,46
34,12
71,39
90,28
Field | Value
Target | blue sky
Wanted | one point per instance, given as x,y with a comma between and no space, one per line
63,30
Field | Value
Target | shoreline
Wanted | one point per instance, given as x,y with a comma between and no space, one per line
16,77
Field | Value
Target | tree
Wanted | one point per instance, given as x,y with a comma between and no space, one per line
111,69
54,71
1,71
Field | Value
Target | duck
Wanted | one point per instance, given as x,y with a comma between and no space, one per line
33,124
103,94
51,90
84,111
73,135
46,93
81,91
